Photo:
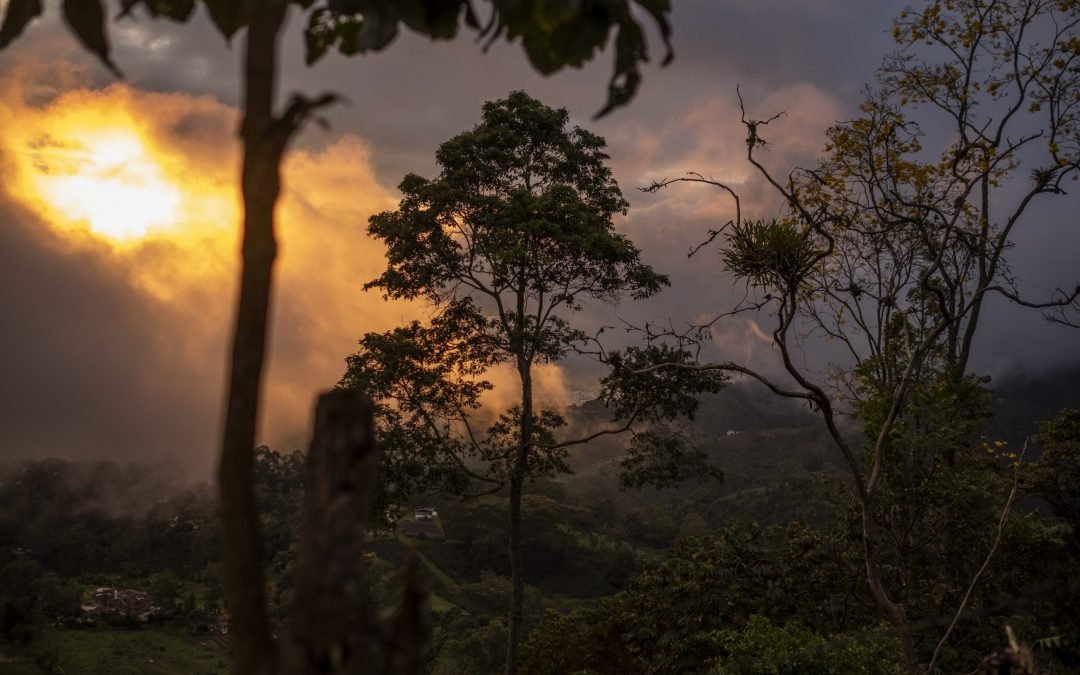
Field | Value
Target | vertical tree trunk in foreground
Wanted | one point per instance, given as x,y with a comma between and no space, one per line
332,634
261,184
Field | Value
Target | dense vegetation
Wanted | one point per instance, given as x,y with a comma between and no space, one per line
759,573
904,539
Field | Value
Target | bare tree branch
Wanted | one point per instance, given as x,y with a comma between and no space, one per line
986,561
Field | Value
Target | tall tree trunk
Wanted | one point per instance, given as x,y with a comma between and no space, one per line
517,484
893,610
241,544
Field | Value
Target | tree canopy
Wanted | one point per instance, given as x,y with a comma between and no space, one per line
554,36
890,247
505,246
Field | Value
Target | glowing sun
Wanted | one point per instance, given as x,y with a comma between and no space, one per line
110,182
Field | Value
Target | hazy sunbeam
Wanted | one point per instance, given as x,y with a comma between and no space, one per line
107,180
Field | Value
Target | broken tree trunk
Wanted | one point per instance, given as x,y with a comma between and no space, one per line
334,630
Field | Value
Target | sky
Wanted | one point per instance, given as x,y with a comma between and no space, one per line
116,321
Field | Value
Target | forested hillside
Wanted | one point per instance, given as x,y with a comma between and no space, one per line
757,566
771,369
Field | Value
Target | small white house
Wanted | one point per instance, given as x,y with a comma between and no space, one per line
425,513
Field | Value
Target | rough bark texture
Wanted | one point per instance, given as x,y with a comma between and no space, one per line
341,470
333,630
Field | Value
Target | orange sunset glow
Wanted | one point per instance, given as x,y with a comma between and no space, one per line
110,181
101,163
146,184
107,165
524,338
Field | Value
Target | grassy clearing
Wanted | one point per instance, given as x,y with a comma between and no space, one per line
440,605
440,576
148,651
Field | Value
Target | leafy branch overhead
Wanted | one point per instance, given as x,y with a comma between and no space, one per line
553,34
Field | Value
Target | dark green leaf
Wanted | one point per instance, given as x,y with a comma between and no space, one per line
435,18
228,15
87,20
375,31
354,27
543,29
470,16
319,35
177,10
19,14
553,34
629,51
659,9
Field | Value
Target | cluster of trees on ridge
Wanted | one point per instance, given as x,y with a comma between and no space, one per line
885,246
735,577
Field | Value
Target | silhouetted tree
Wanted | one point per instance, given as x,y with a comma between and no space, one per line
504,245
891,246
552,38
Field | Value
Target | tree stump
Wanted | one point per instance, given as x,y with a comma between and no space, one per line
333,628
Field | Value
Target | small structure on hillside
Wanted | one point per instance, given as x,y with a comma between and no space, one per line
128,602
105,594
423,525
134,602
425,513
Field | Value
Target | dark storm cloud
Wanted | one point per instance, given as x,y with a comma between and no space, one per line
200,126
418,93
90,366
117,348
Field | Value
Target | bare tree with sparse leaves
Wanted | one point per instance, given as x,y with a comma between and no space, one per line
893,245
